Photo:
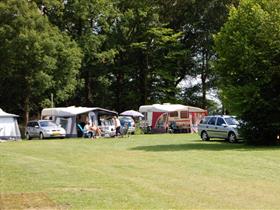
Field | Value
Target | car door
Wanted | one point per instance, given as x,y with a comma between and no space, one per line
36,129
221,128
210,127
30,128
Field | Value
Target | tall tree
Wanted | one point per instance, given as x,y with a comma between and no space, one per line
198,21
36,59
249,67
147,67
88,22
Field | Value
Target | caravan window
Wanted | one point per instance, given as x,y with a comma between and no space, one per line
184,114
173,114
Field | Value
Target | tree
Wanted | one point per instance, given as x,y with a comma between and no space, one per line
198,21
36,59
148,66
248,68
88,22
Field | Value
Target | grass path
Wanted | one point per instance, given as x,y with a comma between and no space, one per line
140,172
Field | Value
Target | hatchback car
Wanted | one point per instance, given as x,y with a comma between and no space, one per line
129,122
219,126
44,129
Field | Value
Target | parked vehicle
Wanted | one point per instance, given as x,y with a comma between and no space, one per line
44,129
219,126
129,122
108,127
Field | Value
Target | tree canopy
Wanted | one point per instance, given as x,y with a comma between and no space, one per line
117,54
36,59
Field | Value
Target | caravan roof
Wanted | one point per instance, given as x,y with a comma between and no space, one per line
72,111
169,108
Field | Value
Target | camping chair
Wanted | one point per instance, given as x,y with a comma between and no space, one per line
86,134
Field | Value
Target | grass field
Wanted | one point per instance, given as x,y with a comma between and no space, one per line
140,172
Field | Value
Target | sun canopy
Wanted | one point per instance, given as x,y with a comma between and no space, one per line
169,108
73,111
132,113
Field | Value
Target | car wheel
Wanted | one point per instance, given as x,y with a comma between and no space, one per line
27,136
41,136
204,136
232,137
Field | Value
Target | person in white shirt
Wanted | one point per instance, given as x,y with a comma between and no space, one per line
117,125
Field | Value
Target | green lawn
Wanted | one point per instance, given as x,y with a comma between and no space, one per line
140,172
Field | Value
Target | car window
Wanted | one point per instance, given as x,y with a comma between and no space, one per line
212,121
47,124
204,120
231,121
35,124
30,124
220,121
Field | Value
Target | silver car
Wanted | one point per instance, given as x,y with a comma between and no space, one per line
44,129
219,126
127,121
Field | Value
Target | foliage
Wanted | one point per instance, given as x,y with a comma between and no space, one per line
249,70
36,59
198,21
131,52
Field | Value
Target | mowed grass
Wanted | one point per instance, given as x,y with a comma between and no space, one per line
165,171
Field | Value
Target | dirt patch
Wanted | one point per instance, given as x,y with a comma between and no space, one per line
26,201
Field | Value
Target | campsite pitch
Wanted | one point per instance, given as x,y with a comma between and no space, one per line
165,171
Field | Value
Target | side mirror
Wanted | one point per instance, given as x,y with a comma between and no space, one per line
36,126
224,125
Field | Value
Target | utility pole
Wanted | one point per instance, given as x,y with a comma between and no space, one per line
51,100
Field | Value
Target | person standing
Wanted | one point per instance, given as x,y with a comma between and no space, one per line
117,125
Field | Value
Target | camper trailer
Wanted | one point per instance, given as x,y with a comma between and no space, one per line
177,118
70,117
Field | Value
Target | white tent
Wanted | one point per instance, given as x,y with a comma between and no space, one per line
66,116
9,126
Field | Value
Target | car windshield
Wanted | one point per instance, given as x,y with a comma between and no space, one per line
47,124
231,121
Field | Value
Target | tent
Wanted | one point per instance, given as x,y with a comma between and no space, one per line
69,117
158,117
9,129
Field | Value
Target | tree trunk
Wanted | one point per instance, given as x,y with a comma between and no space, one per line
26,110
88,89
203,79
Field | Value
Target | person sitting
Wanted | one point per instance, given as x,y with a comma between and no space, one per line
93,128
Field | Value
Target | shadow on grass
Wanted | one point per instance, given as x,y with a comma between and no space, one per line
213,145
